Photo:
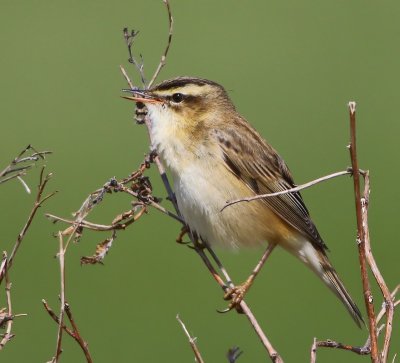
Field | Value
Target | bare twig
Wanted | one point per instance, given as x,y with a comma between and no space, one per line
291,190
192,342
76,334
388,300
129,39
365,255
56,318
368,298
18,166
126,76
164,56
7,336
313,358
39,200
61,255
360,350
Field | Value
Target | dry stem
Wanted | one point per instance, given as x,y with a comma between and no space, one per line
21,164
291,190
164,56
388,299
7,336
365,255
37,204
192,342
368,298
61,255
360,350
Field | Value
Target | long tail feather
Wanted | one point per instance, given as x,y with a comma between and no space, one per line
318,261
332,280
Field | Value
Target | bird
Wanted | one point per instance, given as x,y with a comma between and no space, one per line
214,155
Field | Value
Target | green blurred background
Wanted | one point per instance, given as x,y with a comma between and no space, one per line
290,67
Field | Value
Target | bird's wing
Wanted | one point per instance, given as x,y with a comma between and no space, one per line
260,167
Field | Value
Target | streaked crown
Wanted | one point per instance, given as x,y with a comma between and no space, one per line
197,94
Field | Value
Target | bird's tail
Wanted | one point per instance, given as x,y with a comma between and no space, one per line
332,280
317,260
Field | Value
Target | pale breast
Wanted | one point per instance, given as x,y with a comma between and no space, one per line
202,190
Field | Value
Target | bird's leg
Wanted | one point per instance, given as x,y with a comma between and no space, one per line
236,294
182,233
197,242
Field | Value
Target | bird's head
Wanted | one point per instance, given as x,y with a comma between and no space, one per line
184,102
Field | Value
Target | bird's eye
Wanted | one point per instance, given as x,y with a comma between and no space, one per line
177,97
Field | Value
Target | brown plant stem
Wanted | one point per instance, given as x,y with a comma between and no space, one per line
368,298
388,299
291,190
37,204
76,334
161,64
7,335
360,350
61,255
192,342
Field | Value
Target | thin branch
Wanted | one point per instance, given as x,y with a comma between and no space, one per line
61,255
313,358
39,200
74,333
7,336
123,71
164,56
291,190
366,348
272,352
192,342
129,39
77,335
332,344
17,169
56,318
368,298
388,299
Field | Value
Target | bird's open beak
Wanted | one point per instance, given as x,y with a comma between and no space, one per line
141,96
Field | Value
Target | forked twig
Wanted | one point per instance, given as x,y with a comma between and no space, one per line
19,166
360,350
65,308
388,303
76,335
39,200
366,256
192,342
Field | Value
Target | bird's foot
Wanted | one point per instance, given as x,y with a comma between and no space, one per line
235,295
182,233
